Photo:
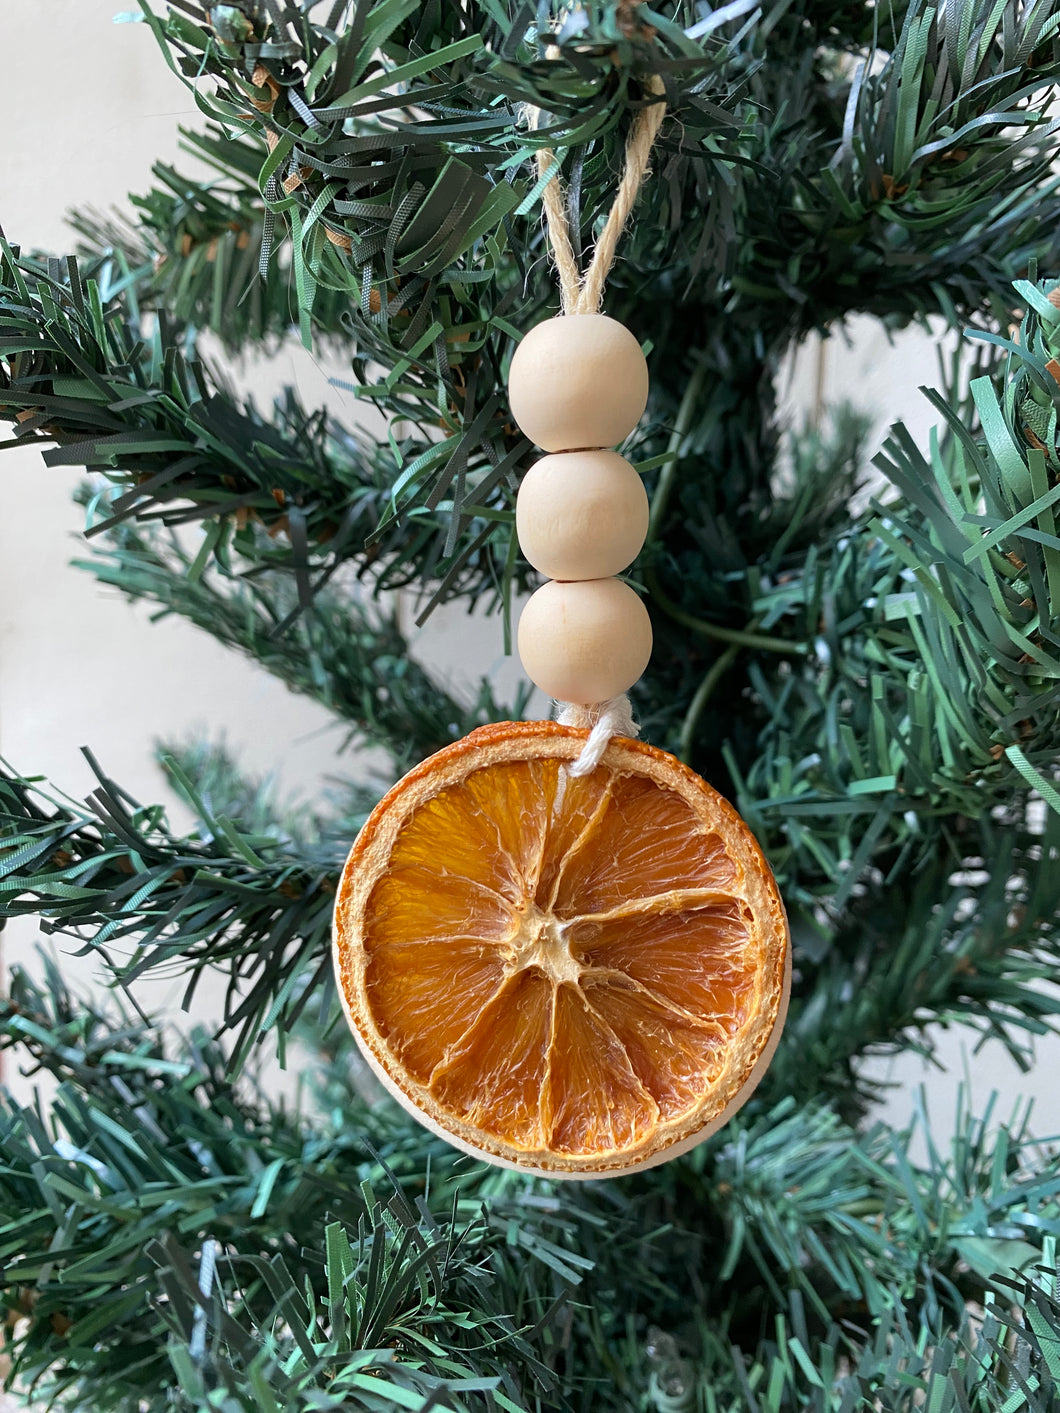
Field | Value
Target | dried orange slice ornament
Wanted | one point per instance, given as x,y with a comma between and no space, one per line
558,947
574,975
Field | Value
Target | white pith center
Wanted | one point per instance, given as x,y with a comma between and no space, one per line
540,940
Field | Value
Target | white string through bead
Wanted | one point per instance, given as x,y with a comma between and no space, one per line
583,294
604,720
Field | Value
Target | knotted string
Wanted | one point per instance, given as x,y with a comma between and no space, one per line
604,720
584,294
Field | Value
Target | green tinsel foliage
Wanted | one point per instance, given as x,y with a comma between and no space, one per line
405,183
945,943
242,892
111,871
195,245
163,1229
350,656
793,186
880,689
151,1151
212,771
81,367
933,687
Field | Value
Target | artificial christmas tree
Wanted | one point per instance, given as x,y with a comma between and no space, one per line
873,679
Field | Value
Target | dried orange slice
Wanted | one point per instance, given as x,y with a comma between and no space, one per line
582,976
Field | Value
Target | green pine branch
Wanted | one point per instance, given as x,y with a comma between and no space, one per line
445,334
933,688
195,245
946,943
216,777
439,97
349,655
1003,1358
154,1158
82,369
336,1265
111,874
941,172
804,181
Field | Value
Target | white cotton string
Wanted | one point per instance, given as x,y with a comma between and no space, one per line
604,720
207,1268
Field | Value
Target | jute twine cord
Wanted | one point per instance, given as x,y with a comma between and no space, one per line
584,294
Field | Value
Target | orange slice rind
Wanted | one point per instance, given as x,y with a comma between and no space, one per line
579,976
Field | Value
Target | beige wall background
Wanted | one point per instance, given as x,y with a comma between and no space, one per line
84,120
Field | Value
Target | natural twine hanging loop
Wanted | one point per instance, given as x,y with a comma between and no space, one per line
584,294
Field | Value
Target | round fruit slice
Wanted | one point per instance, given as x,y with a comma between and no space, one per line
582,976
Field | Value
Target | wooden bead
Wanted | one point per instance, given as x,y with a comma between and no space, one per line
581,515
584,642
577,381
